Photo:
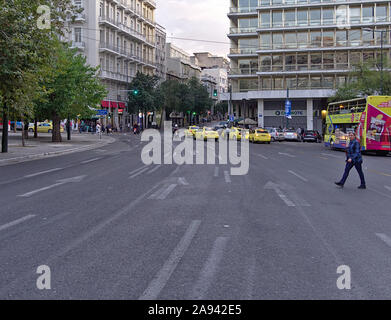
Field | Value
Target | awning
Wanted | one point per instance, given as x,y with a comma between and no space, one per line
112,104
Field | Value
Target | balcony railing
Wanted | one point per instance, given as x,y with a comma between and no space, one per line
115,76
243,50
243,10
243,30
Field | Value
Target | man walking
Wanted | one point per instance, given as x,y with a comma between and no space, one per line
353,159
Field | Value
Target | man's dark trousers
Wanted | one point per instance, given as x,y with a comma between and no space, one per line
349,166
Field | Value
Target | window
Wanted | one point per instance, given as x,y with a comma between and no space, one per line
316,82
315,17
328,82
355,15
302,82
316,39
368,14
290,40
328,16
248,23
265,20
355,37
290,18
302,17
266,62
328,38
316,61
266,83
341,60
291,82
278,83
302,39
249,45
277,63
368,37
290,62
355,58
265,41
341,38
78,36
101,9
277,40
277,18
302,61
328,61
381,13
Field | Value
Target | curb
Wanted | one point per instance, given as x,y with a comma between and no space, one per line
6,162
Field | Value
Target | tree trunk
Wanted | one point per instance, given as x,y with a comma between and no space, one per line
56,134
26,130
35,128
4,138
23,136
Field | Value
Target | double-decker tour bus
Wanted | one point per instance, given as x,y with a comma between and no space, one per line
369,118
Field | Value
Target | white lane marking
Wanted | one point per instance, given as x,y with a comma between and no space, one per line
227,177
91,160
209,270
175,171
14,223
331,155
138,173
154,169
216,172
262,156
385,238
136,170
277,189
183,181
388,188
287,154
59,183
166,192
163,276
298,176
43,172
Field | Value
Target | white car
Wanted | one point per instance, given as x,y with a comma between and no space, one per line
291,135
277,134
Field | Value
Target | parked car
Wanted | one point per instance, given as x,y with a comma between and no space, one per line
276,134
291,135
312,135
260,135
44,127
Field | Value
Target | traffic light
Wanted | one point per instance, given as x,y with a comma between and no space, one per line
215,93
135,92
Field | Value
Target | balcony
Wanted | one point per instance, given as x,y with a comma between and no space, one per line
152,3
243,10
115,76
243,71
242,30
244,51
80,45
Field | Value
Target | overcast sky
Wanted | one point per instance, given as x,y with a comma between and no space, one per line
195,19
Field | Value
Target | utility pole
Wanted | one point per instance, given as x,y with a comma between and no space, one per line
4,138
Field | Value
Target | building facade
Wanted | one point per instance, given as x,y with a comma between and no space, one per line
118,36
303,49
179,64
161,64
206,60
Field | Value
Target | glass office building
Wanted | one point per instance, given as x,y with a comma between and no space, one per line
306,46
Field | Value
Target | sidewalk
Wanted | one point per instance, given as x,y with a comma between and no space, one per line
43,147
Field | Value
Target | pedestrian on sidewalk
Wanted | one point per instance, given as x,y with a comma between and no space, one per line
353,159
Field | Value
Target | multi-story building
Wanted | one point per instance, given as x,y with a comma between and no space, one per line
179,65
306,46
161,65
208,61
118,36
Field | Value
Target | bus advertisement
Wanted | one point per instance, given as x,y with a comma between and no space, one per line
369,118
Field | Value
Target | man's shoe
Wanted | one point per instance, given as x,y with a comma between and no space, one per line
339,184
362,187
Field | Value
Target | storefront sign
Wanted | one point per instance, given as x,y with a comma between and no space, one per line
279,113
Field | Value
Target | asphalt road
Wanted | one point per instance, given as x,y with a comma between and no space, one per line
110,228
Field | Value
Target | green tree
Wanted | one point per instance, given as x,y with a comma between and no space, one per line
24,48
142,94
364,80
73,88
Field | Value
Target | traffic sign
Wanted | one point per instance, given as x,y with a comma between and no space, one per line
232,118
101,112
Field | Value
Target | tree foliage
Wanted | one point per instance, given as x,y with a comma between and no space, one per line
364,80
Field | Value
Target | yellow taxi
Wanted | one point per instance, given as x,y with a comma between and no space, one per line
206,133
44,127
260,135
191,131
236,134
